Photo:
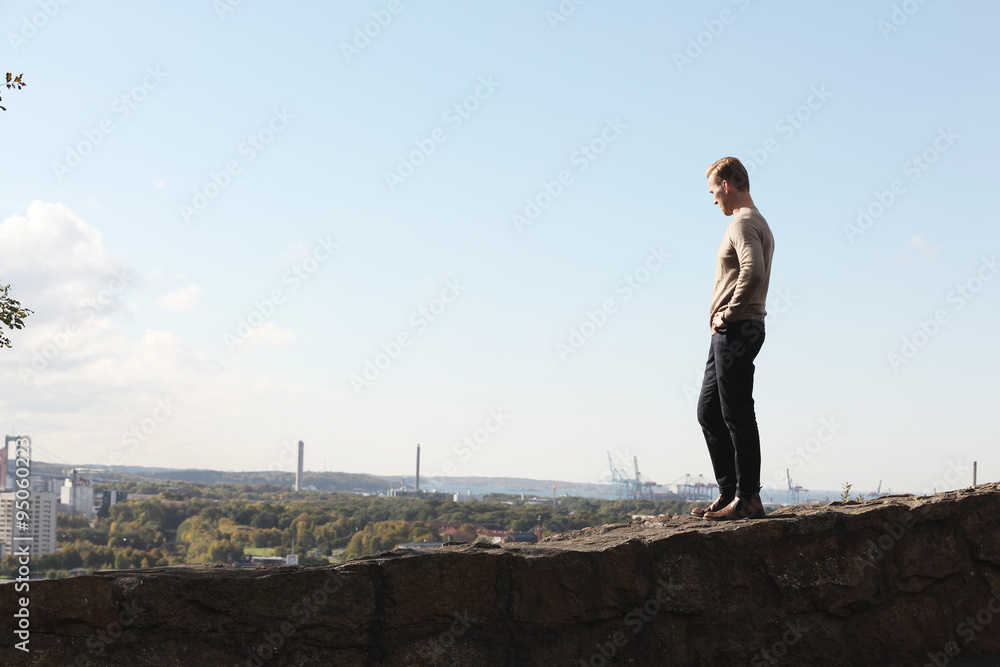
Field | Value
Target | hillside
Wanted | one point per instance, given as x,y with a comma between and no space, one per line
323,481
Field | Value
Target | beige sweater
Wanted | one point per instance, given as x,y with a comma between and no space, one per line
743,268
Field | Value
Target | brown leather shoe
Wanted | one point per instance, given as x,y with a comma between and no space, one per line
739,509
719,504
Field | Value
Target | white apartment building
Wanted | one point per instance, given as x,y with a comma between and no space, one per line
41,525
78,496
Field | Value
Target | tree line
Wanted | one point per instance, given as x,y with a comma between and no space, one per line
194,523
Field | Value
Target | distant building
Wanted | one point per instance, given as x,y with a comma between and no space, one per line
41,523
46,483
484,532
5,452
466,497
267,561
529,538
410,493
420,546
78,497
113,497
490,533
4,458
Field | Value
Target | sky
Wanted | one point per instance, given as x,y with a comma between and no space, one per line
485,228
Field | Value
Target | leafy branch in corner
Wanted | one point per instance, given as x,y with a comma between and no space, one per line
11,314
14,82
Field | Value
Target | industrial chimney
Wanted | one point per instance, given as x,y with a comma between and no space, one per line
298,471
417,485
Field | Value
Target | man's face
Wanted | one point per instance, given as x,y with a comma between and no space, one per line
720,195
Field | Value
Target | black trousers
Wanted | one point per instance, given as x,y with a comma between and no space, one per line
726,410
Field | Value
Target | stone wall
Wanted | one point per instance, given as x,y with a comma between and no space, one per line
901,580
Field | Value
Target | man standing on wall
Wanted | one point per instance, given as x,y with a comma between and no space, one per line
725,406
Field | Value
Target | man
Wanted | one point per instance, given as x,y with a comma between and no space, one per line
736,316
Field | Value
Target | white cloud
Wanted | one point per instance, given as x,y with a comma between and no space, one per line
919,249
84,386
271,335
296,252
160,274
61,262
184,300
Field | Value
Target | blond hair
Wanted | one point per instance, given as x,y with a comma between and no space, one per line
732,170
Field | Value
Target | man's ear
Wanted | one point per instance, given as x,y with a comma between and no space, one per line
725,186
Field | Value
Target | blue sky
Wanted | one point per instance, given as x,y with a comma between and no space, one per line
196,204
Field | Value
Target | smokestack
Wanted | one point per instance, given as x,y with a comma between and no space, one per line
417,486
974,464
298,471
